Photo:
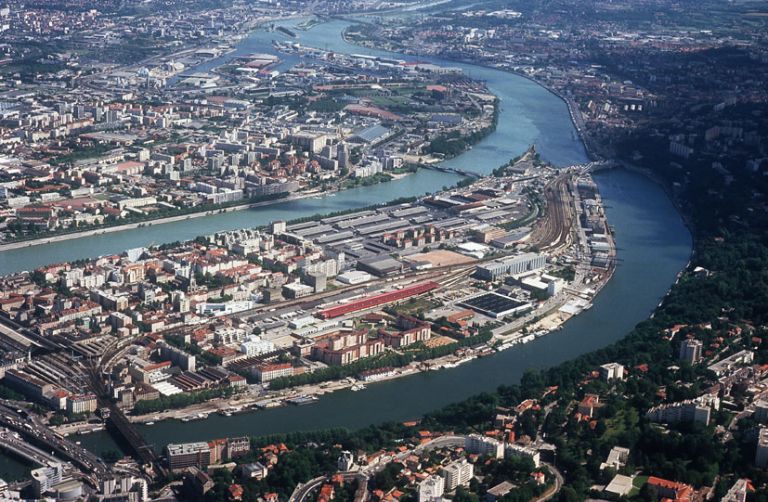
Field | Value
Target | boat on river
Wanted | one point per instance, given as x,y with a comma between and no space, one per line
302,400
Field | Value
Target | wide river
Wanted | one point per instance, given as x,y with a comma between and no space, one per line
653,243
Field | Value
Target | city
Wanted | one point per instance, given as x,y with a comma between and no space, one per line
317,251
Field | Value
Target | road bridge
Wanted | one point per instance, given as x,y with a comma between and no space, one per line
455,170
13,444
37,435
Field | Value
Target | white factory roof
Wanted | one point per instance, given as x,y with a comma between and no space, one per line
167,389
354,277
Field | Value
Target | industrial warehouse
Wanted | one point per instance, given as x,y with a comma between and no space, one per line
378,300
496,305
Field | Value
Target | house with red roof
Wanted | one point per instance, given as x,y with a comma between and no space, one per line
671,490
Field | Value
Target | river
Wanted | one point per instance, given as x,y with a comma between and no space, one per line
11,469
653,243
529,114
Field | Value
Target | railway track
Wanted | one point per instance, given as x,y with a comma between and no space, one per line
553,232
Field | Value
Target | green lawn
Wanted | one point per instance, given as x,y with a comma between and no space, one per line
637,483
618,423
385,101
414,306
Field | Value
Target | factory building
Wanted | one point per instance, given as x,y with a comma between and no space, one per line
510,266
181,456
378,300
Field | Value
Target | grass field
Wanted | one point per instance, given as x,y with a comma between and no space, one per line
617,424
637,483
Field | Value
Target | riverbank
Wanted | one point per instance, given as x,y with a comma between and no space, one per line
529,116
654,248
343,184
146,223
21,244
356,410
243,403
644,171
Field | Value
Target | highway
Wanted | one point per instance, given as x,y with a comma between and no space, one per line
35,433
12,442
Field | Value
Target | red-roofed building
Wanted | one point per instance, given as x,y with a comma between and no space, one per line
326,493
378,300
672,490
525,406
437,88
588,405
235,492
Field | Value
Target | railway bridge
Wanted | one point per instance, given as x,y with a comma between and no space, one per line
121,428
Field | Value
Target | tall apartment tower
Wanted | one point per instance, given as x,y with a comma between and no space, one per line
343,153
690,351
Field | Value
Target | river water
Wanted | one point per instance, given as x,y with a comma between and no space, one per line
11,469
652,241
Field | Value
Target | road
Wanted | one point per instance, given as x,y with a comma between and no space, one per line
303,490
34,432
554,490
13,443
